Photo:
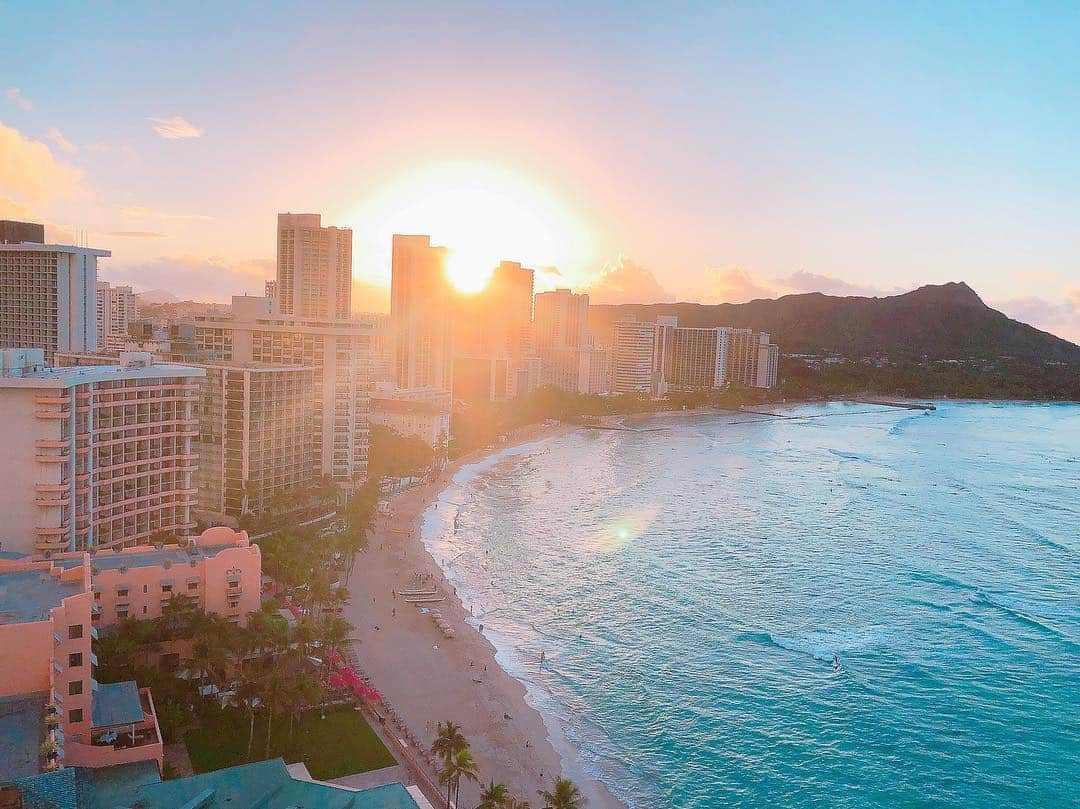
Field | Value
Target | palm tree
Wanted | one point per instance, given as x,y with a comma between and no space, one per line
248,694
448,741
515,803
494,796
565,796
458,766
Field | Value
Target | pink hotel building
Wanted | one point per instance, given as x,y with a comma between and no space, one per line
98,457
53,712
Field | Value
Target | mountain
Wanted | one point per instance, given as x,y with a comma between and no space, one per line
156,296
937,322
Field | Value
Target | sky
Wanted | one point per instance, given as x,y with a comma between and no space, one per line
677,151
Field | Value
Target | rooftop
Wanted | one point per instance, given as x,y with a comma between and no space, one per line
166,557
37,247
50,790
70,375
266,785
27,596
117,704
22,727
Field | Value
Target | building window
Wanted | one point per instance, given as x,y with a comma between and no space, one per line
166,588
146,588
122,593
193,585
75,631
74,659
75,716
75,688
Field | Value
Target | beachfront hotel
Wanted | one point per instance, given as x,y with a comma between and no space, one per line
52,710
339,354
664,356
47,292
99,456
633,343
314,268
255,438
569,357
422,302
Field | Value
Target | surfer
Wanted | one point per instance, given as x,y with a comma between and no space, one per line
836,662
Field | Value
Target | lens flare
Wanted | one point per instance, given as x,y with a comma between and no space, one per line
626,528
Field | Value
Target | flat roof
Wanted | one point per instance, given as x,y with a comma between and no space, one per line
26,596
22,724
70,375
145,558
37,247
58,789
116,704
266,785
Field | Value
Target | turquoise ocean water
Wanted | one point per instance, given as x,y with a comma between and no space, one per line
690,586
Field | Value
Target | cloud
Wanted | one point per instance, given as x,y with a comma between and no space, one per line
10,209
1057,317
176,128
803,281
194,278
29,172
137,234
62,143
739,285
736,285
13,94
624,281
141,212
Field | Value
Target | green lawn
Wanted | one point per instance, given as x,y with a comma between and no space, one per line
341,744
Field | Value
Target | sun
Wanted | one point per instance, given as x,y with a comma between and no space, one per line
483,214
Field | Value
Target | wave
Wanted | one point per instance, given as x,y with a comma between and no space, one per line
929,577
825,644
1029,612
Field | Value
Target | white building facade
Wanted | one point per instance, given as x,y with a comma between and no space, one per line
98,456
48,297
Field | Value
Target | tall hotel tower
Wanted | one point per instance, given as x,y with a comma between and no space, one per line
314,268
421,312
47,292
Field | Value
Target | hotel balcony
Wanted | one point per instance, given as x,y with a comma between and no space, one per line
53,414
124,729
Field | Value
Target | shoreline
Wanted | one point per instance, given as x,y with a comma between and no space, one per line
430,678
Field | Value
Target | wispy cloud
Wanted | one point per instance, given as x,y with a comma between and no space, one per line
62,143
137,234
13,94
195,278
176,128
30,173
142,212
1061,317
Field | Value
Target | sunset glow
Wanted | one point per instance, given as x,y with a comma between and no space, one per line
483,214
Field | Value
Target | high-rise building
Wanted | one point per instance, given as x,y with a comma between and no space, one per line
561,319
98,456
47,293
256,430
314,268
494,335
768,364
633,344
339,353
117,309
422,302
569,358
688,358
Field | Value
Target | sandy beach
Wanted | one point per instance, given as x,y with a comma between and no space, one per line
430,678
